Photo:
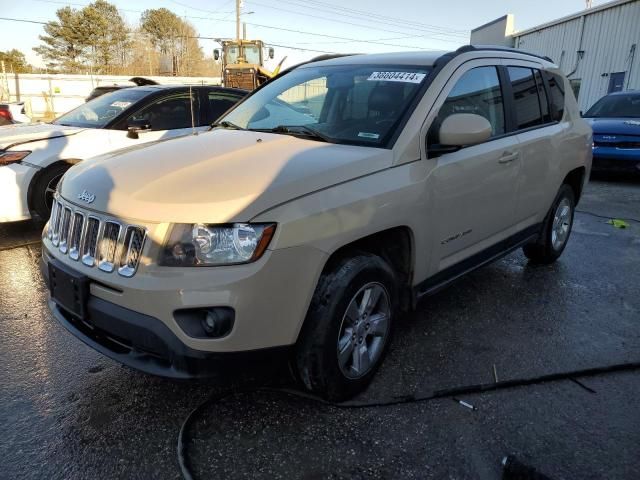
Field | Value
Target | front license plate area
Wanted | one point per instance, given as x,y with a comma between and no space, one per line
68,289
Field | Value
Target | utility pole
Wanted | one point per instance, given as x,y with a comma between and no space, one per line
238,6
244,31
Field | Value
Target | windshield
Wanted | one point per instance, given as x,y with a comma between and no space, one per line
98,112
252,54
231,54
616,106
354,104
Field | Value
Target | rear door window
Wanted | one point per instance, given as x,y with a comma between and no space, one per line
169,113
526,99
221,101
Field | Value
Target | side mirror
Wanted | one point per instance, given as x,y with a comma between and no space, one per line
271,52
581,113
462,129
216,54
136,127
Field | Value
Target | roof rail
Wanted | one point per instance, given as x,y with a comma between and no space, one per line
498,48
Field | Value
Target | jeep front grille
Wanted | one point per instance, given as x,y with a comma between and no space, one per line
105,243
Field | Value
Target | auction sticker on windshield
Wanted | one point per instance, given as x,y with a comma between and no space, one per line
121,104
407,77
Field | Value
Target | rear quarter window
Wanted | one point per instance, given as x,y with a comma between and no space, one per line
556,94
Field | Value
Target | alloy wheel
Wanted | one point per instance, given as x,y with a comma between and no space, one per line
364,330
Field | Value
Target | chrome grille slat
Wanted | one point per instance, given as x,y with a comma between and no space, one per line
131,251
54,211
108,246
90,243
65,226
55,237
102,242
76,236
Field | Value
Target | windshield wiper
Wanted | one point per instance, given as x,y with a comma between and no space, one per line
303,130
226,124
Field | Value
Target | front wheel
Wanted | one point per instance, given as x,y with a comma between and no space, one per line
348,327
556,230
44,189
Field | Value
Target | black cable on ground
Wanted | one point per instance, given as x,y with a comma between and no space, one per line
607,218
183,460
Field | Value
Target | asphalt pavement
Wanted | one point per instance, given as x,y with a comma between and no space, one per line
67,412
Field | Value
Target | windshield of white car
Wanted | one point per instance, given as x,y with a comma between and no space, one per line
616,106
97,113
351,104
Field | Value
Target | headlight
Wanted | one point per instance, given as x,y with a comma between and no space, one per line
7,158
208,245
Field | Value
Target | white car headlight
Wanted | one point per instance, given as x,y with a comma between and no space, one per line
7,158
210,245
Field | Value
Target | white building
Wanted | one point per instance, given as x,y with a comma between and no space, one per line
597,48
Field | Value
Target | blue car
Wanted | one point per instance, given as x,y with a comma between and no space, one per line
615,120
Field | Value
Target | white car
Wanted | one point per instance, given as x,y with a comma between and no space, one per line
13,112
33,157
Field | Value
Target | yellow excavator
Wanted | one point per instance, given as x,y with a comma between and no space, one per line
243,63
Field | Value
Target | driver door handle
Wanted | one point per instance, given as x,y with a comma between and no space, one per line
508,157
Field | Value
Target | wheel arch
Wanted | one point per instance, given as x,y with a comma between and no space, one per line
576,180
395,246
30,194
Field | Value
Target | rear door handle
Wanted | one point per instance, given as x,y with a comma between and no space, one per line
508,157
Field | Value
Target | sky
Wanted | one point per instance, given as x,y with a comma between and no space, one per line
317,26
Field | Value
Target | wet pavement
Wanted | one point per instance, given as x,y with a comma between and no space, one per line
68,412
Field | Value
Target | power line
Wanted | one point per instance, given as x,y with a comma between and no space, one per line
356,24
202,9
352,40
361,13
348,39
300,48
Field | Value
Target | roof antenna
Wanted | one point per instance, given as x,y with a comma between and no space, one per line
193,121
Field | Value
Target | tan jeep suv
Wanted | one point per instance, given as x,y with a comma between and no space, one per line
316,211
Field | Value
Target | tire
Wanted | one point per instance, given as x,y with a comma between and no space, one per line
556,231
328,327
44,188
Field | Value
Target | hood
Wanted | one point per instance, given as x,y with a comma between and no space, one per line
21,133
615,126
215,177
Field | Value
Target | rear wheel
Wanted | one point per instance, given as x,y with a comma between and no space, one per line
45,187
348,327
556,231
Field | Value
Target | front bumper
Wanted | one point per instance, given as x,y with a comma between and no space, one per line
14,185
610,159
269,297
146,344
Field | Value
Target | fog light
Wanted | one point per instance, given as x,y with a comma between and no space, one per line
215,322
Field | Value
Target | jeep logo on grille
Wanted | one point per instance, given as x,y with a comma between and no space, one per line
86,196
